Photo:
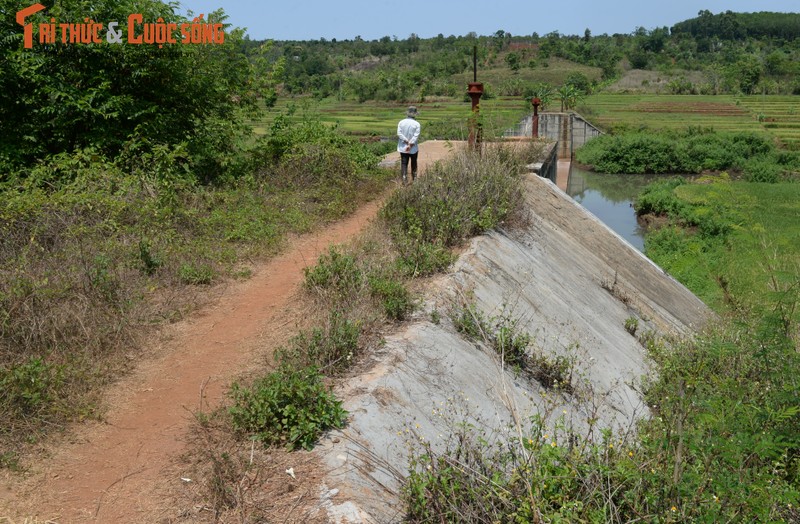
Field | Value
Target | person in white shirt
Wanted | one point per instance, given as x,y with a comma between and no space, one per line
407,144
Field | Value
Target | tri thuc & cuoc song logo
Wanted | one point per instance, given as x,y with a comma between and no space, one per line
139,31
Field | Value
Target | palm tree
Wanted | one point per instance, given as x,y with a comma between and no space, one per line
569,96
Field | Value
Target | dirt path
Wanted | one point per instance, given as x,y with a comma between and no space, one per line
116,471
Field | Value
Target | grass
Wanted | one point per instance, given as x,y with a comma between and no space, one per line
780,116
755,258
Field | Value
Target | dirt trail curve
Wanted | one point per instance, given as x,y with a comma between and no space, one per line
116,471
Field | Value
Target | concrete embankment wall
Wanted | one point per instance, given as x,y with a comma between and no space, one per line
570,130
554,278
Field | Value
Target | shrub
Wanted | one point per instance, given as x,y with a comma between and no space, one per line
393,295
659,198
330,349
691,151
335,271
760,170
30,388
291,407
457,199
196,273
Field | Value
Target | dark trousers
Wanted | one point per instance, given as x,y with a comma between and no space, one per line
404,157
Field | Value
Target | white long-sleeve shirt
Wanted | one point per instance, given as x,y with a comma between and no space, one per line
408,134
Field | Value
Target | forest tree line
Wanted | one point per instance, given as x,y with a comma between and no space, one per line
739,53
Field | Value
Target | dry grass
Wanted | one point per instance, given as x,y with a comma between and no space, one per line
228,480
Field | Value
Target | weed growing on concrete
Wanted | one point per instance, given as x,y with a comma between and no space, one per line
631,325
547,472
514,346
616,290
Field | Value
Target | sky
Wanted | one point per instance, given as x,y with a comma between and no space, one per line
372,19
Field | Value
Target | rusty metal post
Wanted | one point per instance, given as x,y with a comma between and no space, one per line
535,120
475,91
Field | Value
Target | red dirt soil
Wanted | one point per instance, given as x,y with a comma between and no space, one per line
118,470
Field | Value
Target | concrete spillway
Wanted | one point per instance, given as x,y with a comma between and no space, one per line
570,282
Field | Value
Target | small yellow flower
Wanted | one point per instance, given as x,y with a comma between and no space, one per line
553,443
530,441
611,446
673,509
630,453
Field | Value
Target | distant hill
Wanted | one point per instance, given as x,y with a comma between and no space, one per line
734,26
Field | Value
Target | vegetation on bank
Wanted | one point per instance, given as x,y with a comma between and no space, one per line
96,253
112,224
690,151
357,292
721,442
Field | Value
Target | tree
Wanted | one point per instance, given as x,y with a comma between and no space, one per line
60,97
543,91
569,96
512,59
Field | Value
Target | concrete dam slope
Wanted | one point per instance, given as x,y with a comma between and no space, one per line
568,281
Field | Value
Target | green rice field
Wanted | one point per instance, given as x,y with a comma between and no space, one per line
777,115
439,118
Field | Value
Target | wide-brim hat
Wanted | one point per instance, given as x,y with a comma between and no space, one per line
412,112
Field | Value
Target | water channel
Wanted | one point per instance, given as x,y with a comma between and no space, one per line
610,198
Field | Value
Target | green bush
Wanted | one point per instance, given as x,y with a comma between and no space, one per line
691,151
196,273
760,170
334,271
30,388
290,407
394,296
457,199
331,349
660,198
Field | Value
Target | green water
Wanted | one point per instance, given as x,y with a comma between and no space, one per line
610,198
